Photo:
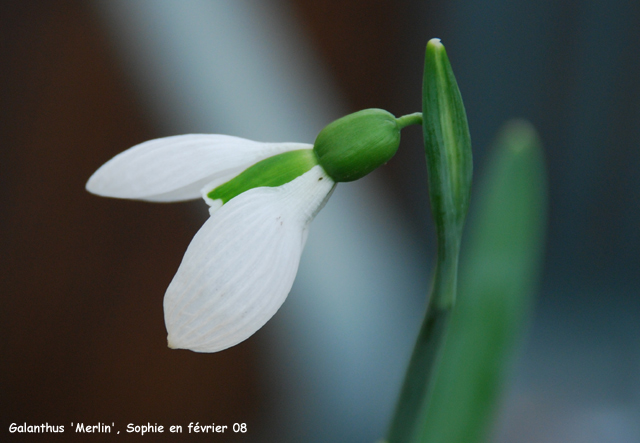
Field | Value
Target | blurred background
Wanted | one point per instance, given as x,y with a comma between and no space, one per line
83,277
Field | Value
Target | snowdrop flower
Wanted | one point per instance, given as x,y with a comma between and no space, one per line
240,266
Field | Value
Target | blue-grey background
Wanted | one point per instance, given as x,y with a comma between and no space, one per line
83,277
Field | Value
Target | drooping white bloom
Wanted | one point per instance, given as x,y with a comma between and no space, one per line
240,266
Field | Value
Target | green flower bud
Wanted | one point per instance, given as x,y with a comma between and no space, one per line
354,145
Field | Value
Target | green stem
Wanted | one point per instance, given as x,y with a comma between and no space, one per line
428,348
409,119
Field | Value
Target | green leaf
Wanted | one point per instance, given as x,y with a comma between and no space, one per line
449,165
447,143
498,276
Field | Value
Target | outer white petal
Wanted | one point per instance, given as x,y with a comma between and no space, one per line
176,168
240,266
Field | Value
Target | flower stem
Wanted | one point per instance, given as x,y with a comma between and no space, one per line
409,119
426,353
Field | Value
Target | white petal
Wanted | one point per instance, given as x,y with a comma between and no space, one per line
176,168
240,266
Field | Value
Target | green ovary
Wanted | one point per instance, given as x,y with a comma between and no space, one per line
353,146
